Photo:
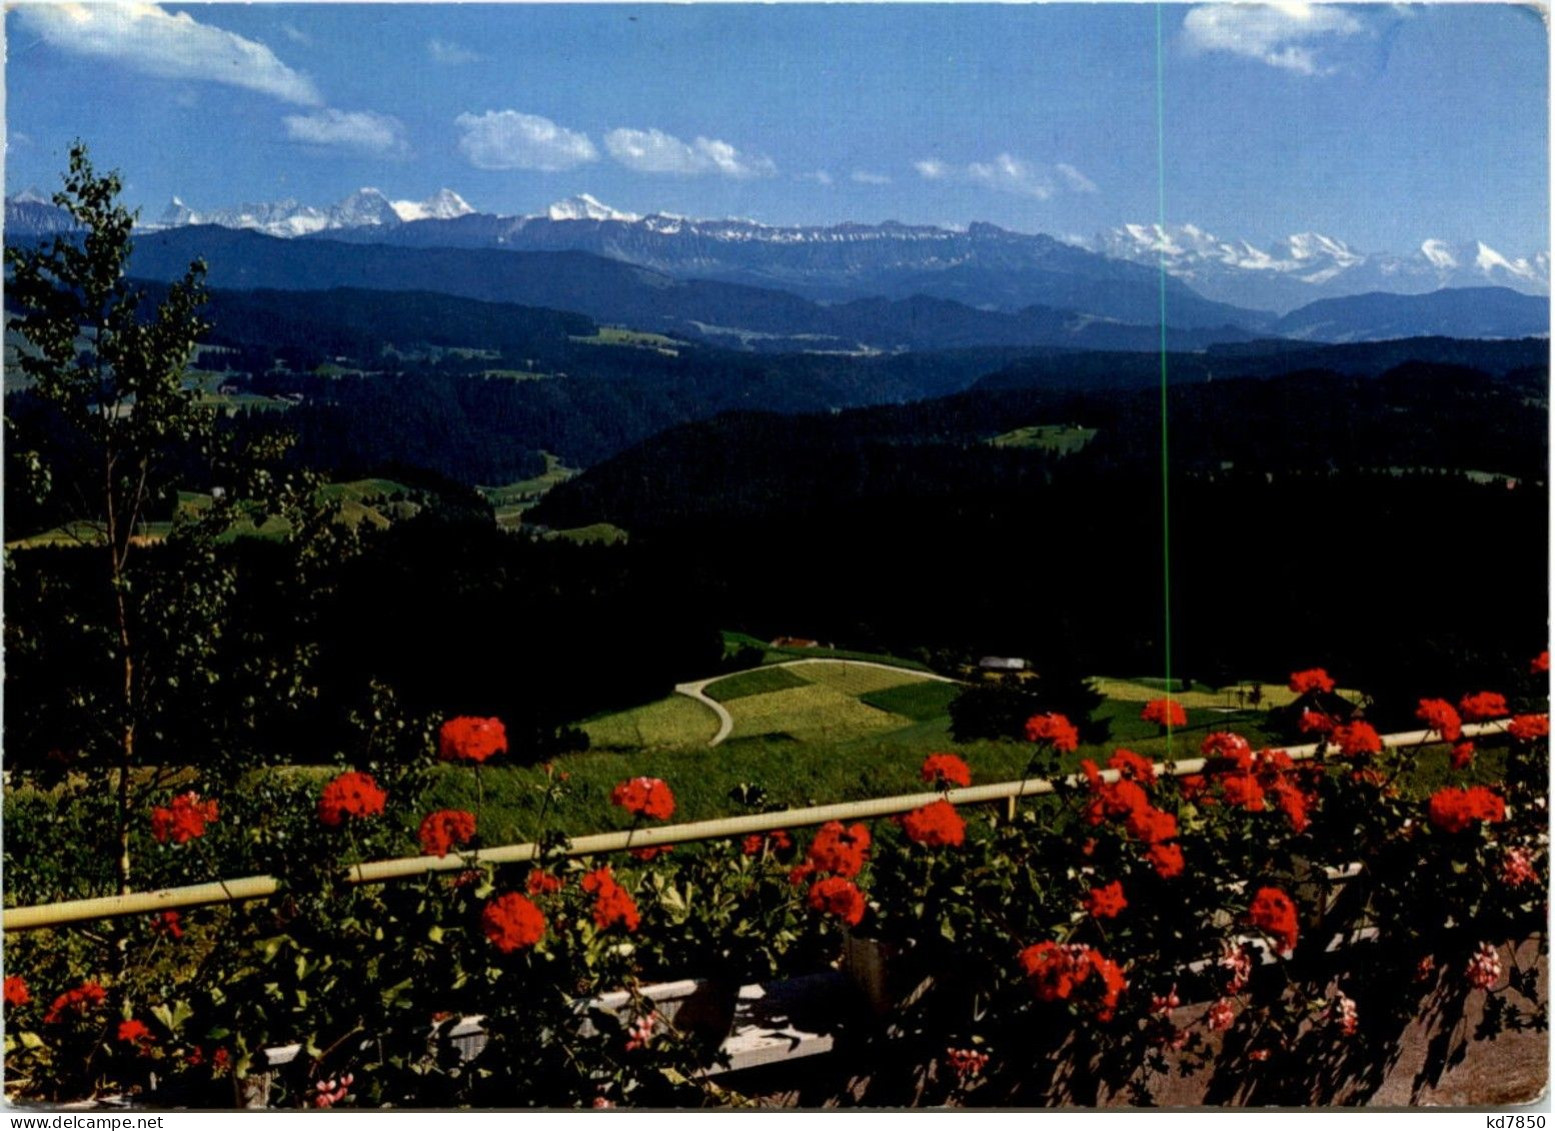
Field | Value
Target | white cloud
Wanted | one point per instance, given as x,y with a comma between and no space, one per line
931,170
1278,34
506,139
1076,180
654,151
1009,174
296,35
356,131
168,45
865,177
451,54
820,177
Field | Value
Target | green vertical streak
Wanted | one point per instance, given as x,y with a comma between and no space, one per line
1166,526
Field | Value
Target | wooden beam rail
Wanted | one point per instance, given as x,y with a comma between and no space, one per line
408,867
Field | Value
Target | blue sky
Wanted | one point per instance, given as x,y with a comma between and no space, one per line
1379,125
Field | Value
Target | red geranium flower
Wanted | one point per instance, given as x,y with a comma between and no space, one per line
352,794
838,850
1105,903
1132,766
1165,713
1151,825
777,840
134,1032
1439,715
169,923
512,923
935,824
469,739
1313,679
1232,747
1540,664
183,819
1273,911
443,831
946,770
650,853
837,896
1166,859
16,991
644,797
1112,981
1453,810
1357,739
1243,790
612,903
1526,728
1483,705
1054,729
1292,802
540,882
88,995
1316,722
1462,755
1051,968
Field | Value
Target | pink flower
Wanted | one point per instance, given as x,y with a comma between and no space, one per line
1220,1016
1517,868
1342,1011
1484,968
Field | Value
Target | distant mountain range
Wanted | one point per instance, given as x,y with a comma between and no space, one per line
1302,268
849,287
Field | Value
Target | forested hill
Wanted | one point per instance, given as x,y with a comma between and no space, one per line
1354,520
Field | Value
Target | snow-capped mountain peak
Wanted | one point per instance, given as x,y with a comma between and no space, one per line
444,204
585,207
1297,269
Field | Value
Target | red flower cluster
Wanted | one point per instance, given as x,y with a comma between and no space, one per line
644,797
512,923
220,1059
1220,1017
88,995
1313,679
1106,902
1440,716
777,841
1128,800
1056,971
443,831
935,824
1453,810
946,770
1462,755
836,850
612,903
352,794
650,853
1165,713
136,1033
1483,705
1132,767
966,1063
1357,739
1316,722
469,739
837,896
1540,664
169,923
183,819
1054,729
1274,911
16,991
1248,779
540,882
1526,728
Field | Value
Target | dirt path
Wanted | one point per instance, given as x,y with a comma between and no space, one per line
697,689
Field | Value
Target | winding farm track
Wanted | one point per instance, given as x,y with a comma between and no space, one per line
697,689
